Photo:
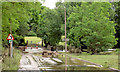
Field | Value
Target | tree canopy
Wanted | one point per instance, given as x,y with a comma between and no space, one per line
50,28
91,25
15,18
94,25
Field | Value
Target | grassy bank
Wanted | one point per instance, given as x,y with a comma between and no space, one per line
12,63
105,60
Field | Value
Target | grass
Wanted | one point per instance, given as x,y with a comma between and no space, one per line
12,63
105,60
33,39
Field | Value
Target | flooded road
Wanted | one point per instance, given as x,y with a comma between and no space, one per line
72,64
33,60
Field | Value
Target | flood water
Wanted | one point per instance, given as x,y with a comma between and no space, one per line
74,65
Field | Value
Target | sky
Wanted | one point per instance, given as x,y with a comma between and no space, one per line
49,3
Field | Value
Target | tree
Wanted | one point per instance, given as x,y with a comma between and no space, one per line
69,9
15,17
90,24
11,15
116,19
35,16
50,29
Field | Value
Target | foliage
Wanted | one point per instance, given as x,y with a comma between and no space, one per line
12,14
50,29
88,24
15,19
35,19
91,25
116,19
31,33
60,8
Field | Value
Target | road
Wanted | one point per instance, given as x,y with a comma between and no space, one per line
28,63
31,62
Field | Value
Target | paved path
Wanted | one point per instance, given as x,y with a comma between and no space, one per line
28,63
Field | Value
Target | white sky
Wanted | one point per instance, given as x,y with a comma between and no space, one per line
49,3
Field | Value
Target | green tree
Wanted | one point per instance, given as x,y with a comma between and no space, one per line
12,14
15,17
50,27
60,7
90,24
116,19
35,16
